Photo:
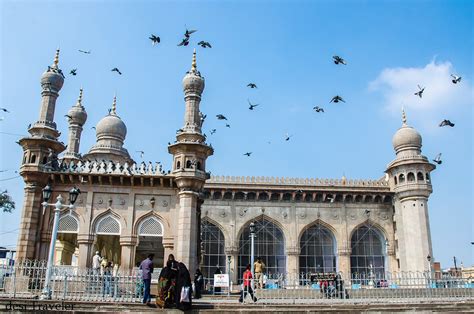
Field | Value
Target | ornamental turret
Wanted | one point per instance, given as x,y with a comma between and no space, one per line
410,179
77,117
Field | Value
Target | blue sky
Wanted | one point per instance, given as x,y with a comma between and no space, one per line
286,48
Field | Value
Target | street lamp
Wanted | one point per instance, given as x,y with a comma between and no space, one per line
47,191
428,258
229,259
252,251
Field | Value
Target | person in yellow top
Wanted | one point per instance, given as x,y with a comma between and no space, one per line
259,269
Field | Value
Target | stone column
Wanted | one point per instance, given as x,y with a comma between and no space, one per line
85,243
344,261
233,252
292,265
168,245
63,252
128,246
186,251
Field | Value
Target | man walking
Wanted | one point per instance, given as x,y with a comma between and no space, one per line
247,285
259,268
147,269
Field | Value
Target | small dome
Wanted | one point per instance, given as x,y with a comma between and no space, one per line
77,113
193,81
111,126
53,77
406,137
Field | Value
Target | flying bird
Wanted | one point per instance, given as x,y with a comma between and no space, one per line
318,109
204,44
446,123
252,85
154,39
188,33
438,159
73,72
213,131
227,125
86,52
93,127
420,92
456,79
248,154
337,99
338,60
116,70
5,110
251,106
287,137
142,153
68,117
221,117
184,42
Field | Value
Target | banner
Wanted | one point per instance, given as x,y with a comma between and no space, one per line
221,280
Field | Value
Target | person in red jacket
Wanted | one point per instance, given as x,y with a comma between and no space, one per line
247,285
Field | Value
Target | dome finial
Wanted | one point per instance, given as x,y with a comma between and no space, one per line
79,100
404,117
193,65
56,59
114,105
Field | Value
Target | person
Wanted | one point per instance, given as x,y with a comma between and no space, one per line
96,259
107,280
247,285
259,268
147,269
103,264
217,272
339,286
183,281
166,283
198,283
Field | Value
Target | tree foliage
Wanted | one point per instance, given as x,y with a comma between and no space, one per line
6,202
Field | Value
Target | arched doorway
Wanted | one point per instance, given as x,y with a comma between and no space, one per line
150,241
367,252
269,245
107,241
66,248
318,250
213,244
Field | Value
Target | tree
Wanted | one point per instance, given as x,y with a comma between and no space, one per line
6,202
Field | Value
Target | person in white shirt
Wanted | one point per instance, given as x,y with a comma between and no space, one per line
96,263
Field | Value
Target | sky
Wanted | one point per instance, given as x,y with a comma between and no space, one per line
286,48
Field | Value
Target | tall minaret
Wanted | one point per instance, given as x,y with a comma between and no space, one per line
189,163
409,178
39,151
77,116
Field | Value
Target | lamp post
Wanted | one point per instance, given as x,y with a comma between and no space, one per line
229,259
252,252
428,258
47,191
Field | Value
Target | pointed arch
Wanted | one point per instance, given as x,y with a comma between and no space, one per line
68,223
318,248
321,222
263,216
150,217
107,223
213,245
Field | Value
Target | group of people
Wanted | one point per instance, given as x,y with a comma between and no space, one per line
247,289
106,271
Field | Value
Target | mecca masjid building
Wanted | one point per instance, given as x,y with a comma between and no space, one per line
127,210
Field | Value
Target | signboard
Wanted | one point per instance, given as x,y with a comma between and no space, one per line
221,280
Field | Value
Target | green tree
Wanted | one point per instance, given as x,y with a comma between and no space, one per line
6,202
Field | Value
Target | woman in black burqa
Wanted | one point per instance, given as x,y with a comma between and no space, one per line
167,283
183,280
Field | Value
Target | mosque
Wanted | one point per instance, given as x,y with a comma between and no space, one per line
127,210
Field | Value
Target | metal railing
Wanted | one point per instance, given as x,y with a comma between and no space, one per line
26,279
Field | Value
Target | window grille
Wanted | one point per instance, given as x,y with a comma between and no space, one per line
68,224
150,227
318,250
108,225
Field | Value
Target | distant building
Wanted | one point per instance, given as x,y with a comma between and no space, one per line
128,209
7,256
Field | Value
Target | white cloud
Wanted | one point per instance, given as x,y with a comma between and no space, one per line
441,96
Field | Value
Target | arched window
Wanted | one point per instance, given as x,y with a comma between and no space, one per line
269,245
213,243
410,177
395,180
45,160
198,165
189,164
318,250
419,176
428,177
33,159
108,225
150,226
68,224
367,252
178,164
401,178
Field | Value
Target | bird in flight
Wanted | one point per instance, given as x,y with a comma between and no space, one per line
248,154
204,44
86,52
337,99
188,33
420,92
338,60
5,110
68,117
73,72
213,131
251,106
93,127
446,123
142,153
221,117
438,159
287,137
154,39
116,70
252,85
184,42
227,125
456,79
318,109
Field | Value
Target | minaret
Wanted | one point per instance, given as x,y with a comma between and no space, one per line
409,178
189,163
77,117
40,152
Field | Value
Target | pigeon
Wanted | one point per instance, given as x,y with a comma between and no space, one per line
420,92
337,99
252,85
318,109
86,52
251,106
227,125
287,137
438,159
5,110
213,131
367,211
248,154
142,153
189,32
338,60
73,72
204,44
456,79
93,127
68,117
184,42
116,70
154,39
446,123
221,117
179,130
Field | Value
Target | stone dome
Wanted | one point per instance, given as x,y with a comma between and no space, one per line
77,113
193,81
53,77
406,137
111,126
